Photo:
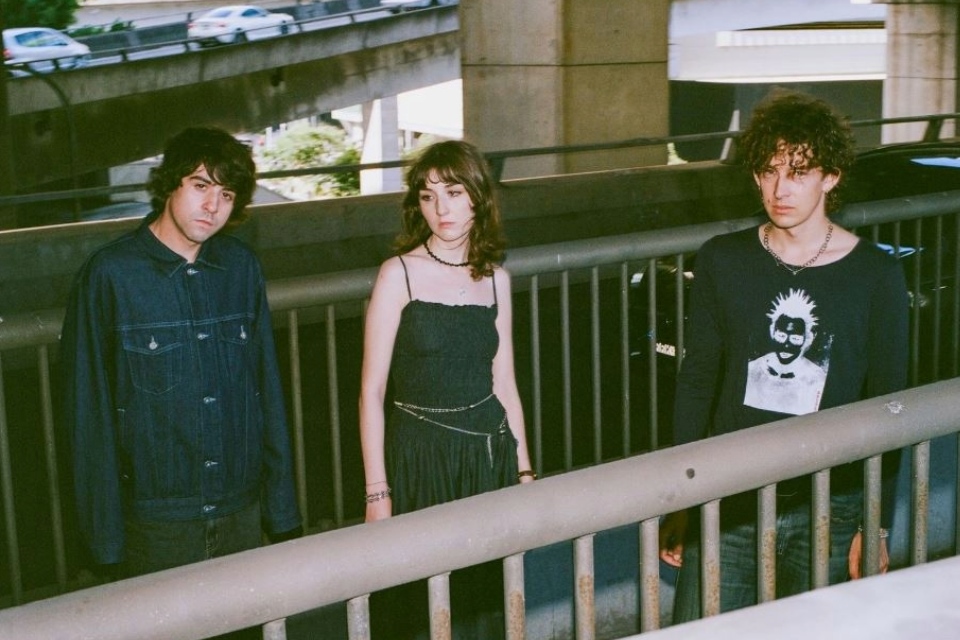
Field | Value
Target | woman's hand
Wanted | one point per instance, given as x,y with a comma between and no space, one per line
379,510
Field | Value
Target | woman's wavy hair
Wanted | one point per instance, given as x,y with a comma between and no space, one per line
798,123
455,162
227,160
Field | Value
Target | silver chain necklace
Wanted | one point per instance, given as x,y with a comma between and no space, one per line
795,270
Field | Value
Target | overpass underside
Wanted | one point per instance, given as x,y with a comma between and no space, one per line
115,114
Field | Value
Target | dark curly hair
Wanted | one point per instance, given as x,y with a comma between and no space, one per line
227,160
456,162
797,123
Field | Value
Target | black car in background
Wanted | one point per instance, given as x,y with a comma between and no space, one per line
927,247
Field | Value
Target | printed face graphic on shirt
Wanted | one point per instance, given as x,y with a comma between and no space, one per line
784,378
791,336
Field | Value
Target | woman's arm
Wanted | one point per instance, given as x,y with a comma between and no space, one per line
504,377
380,331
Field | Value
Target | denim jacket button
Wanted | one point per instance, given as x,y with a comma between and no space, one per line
207,508
192,272
209,399
202,336
210,463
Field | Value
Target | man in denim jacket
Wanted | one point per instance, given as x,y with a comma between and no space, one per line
172,394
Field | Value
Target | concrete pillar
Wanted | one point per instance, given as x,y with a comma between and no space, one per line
539,73
922,69
381,143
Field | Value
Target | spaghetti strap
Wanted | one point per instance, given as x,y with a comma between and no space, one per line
494,278
406,277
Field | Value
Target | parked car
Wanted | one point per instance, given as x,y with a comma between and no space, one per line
42,49
396,6
237,23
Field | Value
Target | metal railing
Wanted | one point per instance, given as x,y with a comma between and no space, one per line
265,586
595,321
498,159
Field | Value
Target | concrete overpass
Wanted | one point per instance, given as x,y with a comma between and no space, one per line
114,114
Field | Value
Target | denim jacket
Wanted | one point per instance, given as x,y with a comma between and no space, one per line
172,394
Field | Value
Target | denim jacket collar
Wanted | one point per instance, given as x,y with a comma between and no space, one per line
170,261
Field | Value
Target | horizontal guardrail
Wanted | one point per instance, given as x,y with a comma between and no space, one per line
272,583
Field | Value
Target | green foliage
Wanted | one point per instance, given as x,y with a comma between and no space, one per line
303,146
56,14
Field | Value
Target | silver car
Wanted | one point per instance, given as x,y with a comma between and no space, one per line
42,49
396,6
237,23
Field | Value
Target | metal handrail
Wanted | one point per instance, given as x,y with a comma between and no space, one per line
495,158
272,583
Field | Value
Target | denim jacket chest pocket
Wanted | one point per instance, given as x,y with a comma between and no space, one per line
156,357
235,341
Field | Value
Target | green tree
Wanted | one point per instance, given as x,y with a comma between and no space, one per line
303,146
57,14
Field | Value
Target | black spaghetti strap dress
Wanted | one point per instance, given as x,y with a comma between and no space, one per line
447,436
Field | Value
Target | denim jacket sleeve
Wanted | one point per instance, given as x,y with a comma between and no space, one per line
278,500
89,417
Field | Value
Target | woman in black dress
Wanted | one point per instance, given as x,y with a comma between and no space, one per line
439,325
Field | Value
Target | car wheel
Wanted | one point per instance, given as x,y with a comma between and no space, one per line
284,28
240,38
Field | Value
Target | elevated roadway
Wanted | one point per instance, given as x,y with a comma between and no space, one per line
104,116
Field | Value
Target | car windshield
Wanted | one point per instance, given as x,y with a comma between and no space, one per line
40,39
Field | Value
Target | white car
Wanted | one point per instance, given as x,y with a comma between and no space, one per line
42,49
237,23
396,6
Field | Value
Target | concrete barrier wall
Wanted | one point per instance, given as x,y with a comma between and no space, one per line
294,239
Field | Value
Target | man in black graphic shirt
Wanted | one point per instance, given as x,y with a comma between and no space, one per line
835,309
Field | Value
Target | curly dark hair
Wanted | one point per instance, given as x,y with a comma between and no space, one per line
796,123
227,160
456,162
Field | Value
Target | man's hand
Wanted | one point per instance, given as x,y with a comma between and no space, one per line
856,553
673,529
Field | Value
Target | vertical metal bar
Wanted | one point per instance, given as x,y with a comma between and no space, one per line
650,575
514,597
654,409
595,358
681,308
9,513
53,475
333,389
820,576
585,606
625,357
438,588
937,297
767,543
955,317
296,398
915,311
537,381
920,502
956,505
275,630
710,558
871,516
358,618
565,352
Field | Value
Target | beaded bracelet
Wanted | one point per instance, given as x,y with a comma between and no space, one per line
527,473
378,496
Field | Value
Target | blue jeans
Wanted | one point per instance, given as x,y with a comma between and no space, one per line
155,546
738,556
